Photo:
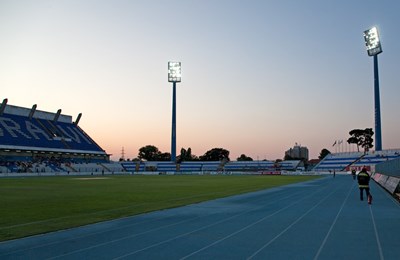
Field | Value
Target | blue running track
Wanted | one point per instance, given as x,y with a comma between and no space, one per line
320,219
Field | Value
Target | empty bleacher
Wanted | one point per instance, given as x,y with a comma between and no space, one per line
199,166
373,158
249,166
347,161
289,165
112,167
337,162
132,166
166,166
39,141
24,133
212,166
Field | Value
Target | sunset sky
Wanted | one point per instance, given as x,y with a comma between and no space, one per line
257,76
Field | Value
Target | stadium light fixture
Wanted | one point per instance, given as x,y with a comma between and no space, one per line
174,71
174,76
373,44
372,41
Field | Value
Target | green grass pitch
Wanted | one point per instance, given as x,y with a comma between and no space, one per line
37,205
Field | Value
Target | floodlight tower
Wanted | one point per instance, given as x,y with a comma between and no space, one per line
374,47
174,76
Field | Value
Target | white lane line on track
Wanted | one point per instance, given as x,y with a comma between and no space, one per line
246,227
142,233
378,242
123,238
333,223
291,225
238,231
205,227
78,237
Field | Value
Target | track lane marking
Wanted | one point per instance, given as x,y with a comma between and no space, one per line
333,223
378,242
152,230
291,225
250,225
213,224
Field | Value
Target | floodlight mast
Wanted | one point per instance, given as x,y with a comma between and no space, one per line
374,48
174,76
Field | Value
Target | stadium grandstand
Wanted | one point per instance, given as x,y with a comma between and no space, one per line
166,167
37,141
384,167
355,160
250,166
257,167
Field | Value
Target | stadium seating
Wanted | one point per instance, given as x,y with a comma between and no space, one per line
250,166
211,166
337,162
289,165
374,158
39,141
132,166
22,132
166,166
199,166
345,161
112,167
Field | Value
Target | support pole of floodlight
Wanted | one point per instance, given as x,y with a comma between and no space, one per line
174,76
378,131
173,131
374,47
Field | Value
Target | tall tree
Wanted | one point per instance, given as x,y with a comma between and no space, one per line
186,155
368,141
149,153
164,157
244,157
215,154
362,137
324,152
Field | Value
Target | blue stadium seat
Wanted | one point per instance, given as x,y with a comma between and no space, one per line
19,131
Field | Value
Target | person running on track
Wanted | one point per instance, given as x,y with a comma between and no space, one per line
363,179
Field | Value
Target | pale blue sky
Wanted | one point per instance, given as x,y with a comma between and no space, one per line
258,76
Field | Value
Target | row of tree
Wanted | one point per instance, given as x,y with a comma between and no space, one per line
152,153
360,137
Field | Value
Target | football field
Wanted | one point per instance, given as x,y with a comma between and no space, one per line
41,204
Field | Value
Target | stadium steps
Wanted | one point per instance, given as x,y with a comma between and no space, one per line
47,131
129,166
70,168
56,168
54,129
88,136
355,162
58,133
105,167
